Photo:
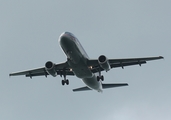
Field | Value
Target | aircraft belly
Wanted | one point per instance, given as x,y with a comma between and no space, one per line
93,83
80,68
82,71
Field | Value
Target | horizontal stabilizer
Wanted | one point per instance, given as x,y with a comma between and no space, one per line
105,86
81,89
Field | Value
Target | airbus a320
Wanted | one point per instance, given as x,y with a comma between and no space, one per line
79,64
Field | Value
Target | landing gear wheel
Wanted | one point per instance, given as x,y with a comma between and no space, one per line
63,82
98,78
102,77
67,82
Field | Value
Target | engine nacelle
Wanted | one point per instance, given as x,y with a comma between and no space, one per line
104,63
50,68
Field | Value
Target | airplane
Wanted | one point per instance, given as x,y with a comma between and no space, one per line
79,64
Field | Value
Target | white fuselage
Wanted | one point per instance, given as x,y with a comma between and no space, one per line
77,60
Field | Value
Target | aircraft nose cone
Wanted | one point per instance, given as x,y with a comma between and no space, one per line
66,38
63,38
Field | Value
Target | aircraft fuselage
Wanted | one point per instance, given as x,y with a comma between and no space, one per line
77,60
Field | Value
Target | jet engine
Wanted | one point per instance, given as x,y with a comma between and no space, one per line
50,68
104,63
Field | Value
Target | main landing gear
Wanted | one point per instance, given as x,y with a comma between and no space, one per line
100,77
65,81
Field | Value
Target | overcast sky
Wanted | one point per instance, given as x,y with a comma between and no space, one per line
29,32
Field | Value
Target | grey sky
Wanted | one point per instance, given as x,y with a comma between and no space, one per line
29,32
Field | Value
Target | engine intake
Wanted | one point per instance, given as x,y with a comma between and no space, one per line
50,68
104,63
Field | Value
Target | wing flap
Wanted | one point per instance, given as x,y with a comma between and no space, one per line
37,74
27,72
126,64
134,59
96,69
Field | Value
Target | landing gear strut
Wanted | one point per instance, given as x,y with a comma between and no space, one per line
100,77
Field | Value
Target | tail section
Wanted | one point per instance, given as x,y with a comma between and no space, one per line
104,86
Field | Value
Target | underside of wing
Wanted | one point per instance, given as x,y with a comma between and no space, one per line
114,63
38,71
96,69
60,69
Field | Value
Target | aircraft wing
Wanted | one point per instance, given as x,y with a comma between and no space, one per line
114,63
42,71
